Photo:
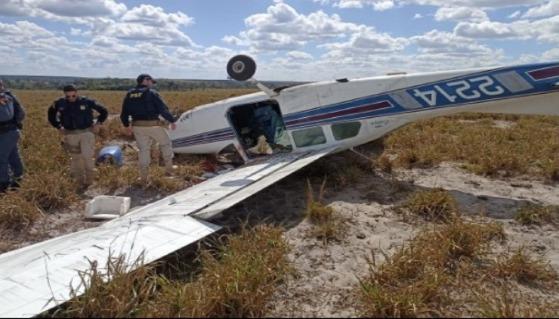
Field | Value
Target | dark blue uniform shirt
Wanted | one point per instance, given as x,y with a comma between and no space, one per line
12,114
76,115
144,104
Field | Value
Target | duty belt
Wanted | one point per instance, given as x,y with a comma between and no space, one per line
146,123
7,126
73,132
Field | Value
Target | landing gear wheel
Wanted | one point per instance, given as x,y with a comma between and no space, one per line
241,67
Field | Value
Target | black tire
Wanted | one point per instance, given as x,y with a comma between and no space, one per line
241,67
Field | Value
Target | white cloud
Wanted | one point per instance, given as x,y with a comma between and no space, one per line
551,55
544,30
140,32
15,8
299,56
461,14
283,28
436,42
388,4
24,29
156,16
112,42
515,14
485,29
545,10
378,5
72,8
367,42
486,4
61,9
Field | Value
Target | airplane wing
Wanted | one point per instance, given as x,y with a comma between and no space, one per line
37,278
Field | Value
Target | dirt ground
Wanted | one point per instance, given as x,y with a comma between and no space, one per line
326,275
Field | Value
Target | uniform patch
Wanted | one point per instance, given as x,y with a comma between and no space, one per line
82,107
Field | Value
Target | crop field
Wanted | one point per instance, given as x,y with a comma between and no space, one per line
412,232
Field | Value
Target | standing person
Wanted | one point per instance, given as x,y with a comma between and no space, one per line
11,118
144,106
18,105
73,117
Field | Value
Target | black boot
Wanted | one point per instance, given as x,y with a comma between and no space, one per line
4,187
15,183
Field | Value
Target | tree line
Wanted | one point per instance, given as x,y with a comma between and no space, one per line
23,82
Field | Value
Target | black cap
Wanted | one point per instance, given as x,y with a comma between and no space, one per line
69,88
144,76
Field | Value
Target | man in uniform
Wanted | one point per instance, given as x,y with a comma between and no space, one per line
11,117
141,109
73,117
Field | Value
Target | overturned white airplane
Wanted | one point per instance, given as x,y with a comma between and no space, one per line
300,124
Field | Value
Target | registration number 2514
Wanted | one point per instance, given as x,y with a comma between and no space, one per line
451,92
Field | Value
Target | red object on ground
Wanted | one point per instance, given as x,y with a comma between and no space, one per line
209,166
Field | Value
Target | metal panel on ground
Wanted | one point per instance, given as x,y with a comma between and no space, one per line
40,277
37,278
266,181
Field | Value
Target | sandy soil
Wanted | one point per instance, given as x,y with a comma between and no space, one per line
327,275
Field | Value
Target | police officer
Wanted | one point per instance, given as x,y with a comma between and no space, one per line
143,106
11,117
73,117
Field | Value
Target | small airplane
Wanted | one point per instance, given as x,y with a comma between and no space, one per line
275,132
346,113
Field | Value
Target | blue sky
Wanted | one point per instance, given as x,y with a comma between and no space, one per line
290,39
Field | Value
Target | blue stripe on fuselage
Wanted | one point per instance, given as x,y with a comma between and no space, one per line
438,94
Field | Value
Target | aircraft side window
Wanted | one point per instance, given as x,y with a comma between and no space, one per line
345,130
309,137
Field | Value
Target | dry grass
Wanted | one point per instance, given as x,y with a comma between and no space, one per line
432,205
112,291
450,271
538,215
433,274
529,146
505,301
48,187
17,212
525,269
342,169
327,223
234,280
114,178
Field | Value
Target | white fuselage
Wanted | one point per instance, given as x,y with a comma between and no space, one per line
350,113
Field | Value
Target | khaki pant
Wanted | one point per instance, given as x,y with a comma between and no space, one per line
145,135
81,147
